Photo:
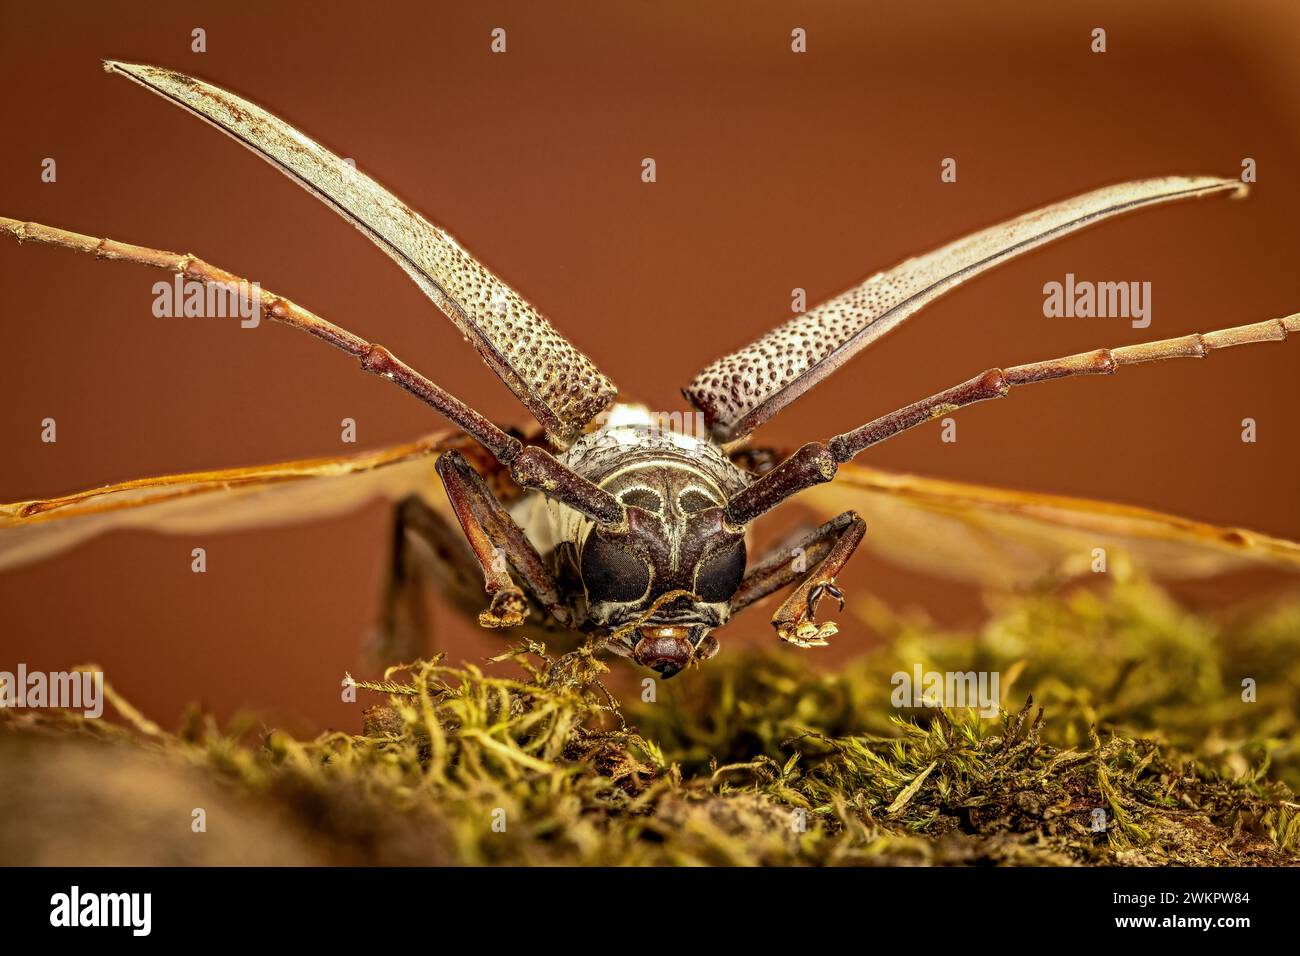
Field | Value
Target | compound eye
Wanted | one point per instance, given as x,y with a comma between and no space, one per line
719,575
692,501
612,574
642,498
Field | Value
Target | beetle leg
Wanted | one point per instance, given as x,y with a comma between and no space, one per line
825,550
498,543
795,620
426,549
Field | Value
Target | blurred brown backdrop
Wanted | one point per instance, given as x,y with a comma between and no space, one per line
775,170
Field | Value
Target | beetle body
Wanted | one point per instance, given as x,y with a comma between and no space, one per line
662,581
612,525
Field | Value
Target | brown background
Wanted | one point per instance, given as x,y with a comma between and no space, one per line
775,171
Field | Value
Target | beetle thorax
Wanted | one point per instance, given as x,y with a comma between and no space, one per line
631,440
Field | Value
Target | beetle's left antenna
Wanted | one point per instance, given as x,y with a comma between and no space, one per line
529,465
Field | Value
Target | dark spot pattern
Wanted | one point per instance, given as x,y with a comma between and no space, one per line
559,385
780,366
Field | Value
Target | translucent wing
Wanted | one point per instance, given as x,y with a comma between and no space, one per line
742,390
228,500
1008,538
559,385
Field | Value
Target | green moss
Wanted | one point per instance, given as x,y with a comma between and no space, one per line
1136,720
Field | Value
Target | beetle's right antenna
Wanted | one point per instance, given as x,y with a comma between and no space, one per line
529,465
816,462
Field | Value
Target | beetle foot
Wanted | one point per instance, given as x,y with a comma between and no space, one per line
807,633
509,608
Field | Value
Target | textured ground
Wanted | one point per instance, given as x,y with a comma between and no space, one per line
1137,712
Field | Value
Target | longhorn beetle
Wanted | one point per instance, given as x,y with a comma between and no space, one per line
602,523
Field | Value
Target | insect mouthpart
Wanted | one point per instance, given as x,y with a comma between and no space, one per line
667,649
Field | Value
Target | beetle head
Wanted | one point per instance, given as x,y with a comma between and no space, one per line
663,579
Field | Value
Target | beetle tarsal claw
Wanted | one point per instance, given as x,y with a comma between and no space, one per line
509,609
816,594
807,634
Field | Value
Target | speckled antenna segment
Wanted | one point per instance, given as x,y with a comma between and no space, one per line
742,390
560,386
